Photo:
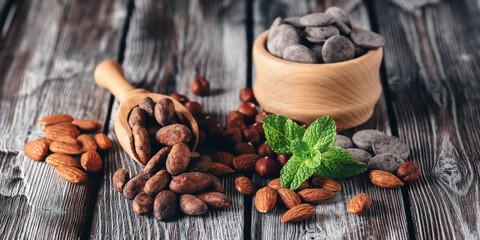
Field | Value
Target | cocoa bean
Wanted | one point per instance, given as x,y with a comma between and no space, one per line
200,164
142,204
191,182
137,116
173,134
215,199
164,111
135,185
216,185
178,159
165,205
192,205
157,183
148,105
142,143
120,178
157,161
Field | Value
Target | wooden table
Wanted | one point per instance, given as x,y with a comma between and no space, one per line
49,49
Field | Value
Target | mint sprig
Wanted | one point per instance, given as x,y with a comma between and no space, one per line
312,149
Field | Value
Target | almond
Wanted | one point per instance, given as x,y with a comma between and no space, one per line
103,142
36,149
58,159
56,118
315,195
65,148
327,183
298,213
224,157
219,169
245,162
275,184
91,161
47,141
60,130
87,142
384,179
265,199
71,174
359,204
244,185
87,125
288,198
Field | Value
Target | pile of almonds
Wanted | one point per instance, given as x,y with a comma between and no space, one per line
63,143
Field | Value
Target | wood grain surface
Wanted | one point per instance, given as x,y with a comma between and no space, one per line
168,45
49,49
46,64
433,70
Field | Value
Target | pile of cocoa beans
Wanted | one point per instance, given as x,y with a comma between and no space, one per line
174,178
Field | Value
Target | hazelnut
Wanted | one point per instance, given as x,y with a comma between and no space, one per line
252,136
180,98
195,108
340,127
258,127
265,150
249,110
236,123
260,116
235,115
232,136
200,86
409,172
216,132
244,148
282,159
208,122
246,95
202,137
266,167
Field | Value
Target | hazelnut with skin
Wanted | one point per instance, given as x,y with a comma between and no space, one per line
200,86
266,167
409,172
249,110
195,108
179,97
244,148
246,95
282,159
260,116
265,150
232,136
252,136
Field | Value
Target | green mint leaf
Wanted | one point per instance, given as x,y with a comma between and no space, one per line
288,172
321,134
338,164
280,131
300,148
303,173
314,161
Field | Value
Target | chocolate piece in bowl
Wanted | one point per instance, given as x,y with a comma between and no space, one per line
294,21
338,49
317,19
367,39
339,14
320,34
299,53
280,37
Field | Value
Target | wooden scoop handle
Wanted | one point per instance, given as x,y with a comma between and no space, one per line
109,75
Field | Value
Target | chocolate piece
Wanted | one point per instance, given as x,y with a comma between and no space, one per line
320,34
367,39
280,37
365,138
317,19
343,142
389,144
338,49
388,162
359,155
299,53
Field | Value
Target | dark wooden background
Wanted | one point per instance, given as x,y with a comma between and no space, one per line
49,49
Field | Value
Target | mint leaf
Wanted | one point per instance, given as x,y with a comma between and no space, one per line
321,134
315,161
300,148
303,173
338,164
288,172
280,131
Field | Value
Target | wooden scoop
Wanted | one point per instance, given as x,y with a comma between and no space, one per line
109,75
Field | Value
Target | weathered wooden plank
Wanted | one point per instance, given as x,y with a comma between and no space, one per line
168,45
47,59
386,219
432,67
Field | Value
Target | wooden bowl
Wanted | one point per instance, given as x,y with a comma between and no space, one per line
347,91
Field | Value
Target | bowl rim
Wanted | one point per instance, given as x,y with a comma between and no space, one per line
261,42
